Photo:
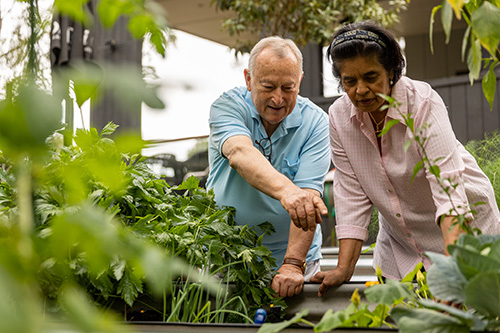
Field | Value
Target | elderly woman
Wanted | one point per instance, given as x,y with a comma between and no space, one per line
416,215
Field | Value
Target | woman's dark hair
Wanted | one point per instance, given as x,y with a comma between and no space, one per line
383,44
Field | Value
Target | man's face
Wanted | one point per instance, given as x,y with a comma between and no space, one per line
274,86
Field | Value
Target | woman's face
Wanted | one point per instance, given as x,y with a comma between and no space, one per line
363,78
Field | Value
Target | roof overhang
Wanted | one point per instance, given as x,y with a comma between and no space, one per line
200,18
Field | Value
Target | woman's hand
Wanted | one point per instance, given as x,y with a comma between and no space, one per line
349,251
330,279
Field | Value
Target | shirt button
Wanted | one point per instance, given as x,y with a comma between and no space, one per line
408,236
389,190
398,215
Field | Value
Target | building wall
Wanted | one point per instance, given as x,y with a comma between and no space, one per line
444,69
469,111
445,61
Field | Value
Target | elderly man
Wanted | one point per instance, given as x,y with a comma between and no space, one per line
269,154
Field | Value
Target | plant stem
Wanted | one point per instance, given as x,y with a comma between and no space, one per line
26,222
307,322
164,304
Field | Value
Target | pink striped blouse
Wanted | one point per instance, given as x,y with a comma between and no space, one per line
408,211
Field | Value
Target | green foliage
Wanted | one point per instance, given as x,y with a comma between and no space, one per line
373,227
96,209
303,21
276,327
470,276
46,266
357,314
410,320
84,224
487,154
483,20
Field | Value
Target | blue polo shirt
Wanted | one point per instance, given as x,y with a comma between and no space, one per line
300,151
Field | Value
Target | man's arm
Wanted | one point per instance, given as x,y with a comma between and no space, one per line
349,251
290,278
305,208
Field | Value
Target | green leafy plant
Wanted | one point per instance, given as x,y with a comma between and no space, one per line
487,154
188,225
87,225
483,32
469,276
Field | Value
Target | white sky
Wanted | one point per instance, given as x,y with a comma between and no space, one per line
194,73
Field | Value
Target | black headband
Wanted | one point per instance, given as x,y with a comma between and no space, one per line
358,34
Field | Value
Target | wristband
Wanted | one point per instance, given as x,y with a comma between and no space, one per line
296,262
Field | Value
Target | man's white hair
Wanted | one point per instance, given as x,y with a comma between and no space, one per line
280,47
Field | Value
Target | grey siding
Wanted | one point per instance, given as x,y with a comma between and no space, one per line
469,111
445,61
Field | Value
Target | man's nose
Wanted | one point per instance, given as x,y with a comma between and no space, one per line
277,97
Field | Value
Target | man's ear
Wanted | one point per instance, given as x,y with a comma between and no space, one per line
300,80
248,79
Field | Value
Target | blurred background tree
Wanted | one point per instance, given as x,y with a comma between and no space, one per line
303,21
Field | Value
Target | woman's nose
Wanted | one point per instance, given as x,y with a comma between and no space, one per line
361,89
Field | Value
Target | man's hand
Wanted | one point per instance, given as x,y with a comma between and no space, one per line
329,279
289,281
305,208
